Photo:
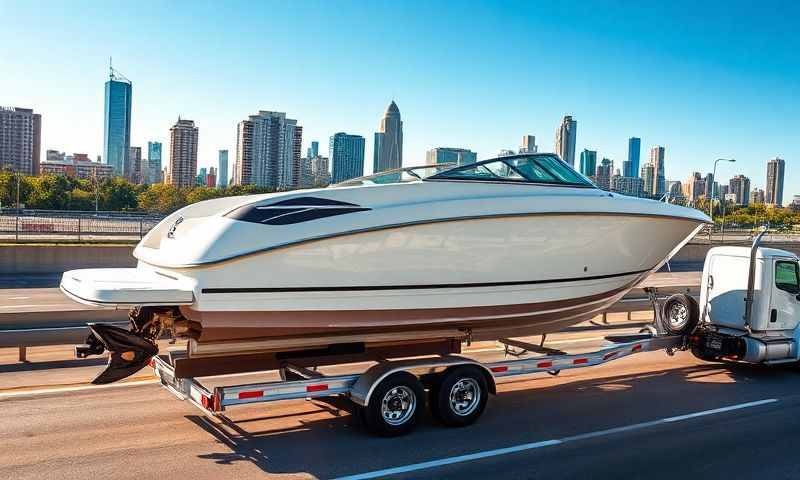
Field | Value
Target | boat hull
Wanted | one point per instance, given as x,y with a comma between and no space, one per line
517,275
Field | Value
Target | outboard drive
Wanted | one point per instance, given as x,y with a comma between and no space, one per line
129,350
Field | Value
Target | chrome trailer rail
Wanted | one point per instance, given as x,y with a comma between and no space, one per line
357,386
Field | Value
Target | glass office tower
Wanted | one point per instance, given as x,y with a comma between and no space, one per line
117,124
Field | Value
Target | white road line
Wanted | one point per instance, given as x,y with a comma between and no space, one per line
18,298
43,391
547,443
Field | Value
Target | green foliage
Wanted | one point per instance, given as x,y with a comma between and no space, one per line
161,198
54,192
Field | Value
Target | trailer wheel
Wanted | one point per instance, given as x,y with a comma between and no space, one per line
394,405
680,314
460,397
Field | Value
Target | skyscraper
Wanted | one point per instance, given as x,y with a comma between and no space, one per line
565,139
648,179
222,180
631,169
243,168
313,150
459,156
347,156
757,196
20,140
694,187
268,151
631,186
183,153
154,163
528,144
117,123
774,192
388,148
589,162
134,172
740,188
709,186
604,173
657,160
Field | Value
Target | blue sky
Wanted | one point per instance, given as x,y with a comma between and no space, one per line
705,79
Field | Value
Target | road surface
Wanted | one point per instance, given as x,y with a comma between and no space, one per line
646,416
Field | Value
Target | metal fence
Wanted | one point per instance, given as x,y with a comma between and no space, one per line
53,224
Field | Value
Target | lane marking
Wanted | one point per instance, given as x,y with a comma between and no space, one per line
18,298
43,391
548,443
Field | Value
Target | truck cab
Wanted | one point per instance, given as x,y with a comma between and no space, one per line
750,305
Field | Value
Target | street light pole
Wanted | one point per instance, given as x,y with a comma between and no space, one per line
714,193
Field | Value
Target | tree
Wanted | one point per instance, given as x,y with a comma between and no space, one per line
118,195
198,194
49,192
161,198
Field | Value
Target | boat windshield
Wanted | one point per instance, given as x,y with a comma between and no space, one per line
398,175
537,168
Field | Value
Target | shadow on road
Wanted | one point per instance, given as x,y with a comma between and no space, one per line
527,411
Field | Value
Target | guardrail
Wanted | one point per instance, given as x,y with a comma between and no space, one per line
78,225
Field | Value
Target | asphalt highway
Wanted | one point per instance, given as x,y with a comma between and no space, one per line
646,416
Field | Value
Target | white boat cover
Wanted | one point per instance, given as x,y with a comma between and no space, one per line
124,287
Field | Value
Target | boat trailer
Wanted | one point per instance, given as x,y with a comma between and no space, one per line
389,395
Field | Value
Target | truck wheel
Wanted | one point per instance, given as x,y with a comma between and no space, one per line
680,314
460,397
394,405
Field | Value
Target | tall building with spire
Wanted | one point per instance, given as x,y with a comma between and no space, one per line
565,139
183,154
117,123
388,148
775,172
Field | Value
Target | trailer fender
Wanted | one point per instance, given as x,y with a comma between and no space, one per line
366,383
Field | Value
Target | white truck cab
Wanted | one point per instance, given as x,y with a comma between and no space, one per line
749,305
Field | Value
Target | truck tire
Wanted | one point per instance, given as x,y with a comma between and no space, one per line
394,405
679,314
459,398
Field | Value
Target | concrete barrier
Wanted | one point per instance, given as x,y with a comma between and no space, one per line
21,259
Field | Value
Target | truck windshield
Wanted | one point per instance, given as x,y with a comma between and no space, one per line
787,277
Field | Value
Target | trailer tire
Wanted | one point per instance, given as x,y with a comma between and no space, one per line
680,314
394,406
460,397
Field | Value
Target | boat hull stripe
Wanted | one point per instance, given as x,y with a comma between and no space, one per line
362,288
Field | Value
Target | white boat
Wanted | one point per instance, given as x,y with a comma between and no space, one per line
511,246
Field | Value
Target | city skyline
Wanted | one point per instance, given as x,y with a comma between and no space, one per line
708,102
